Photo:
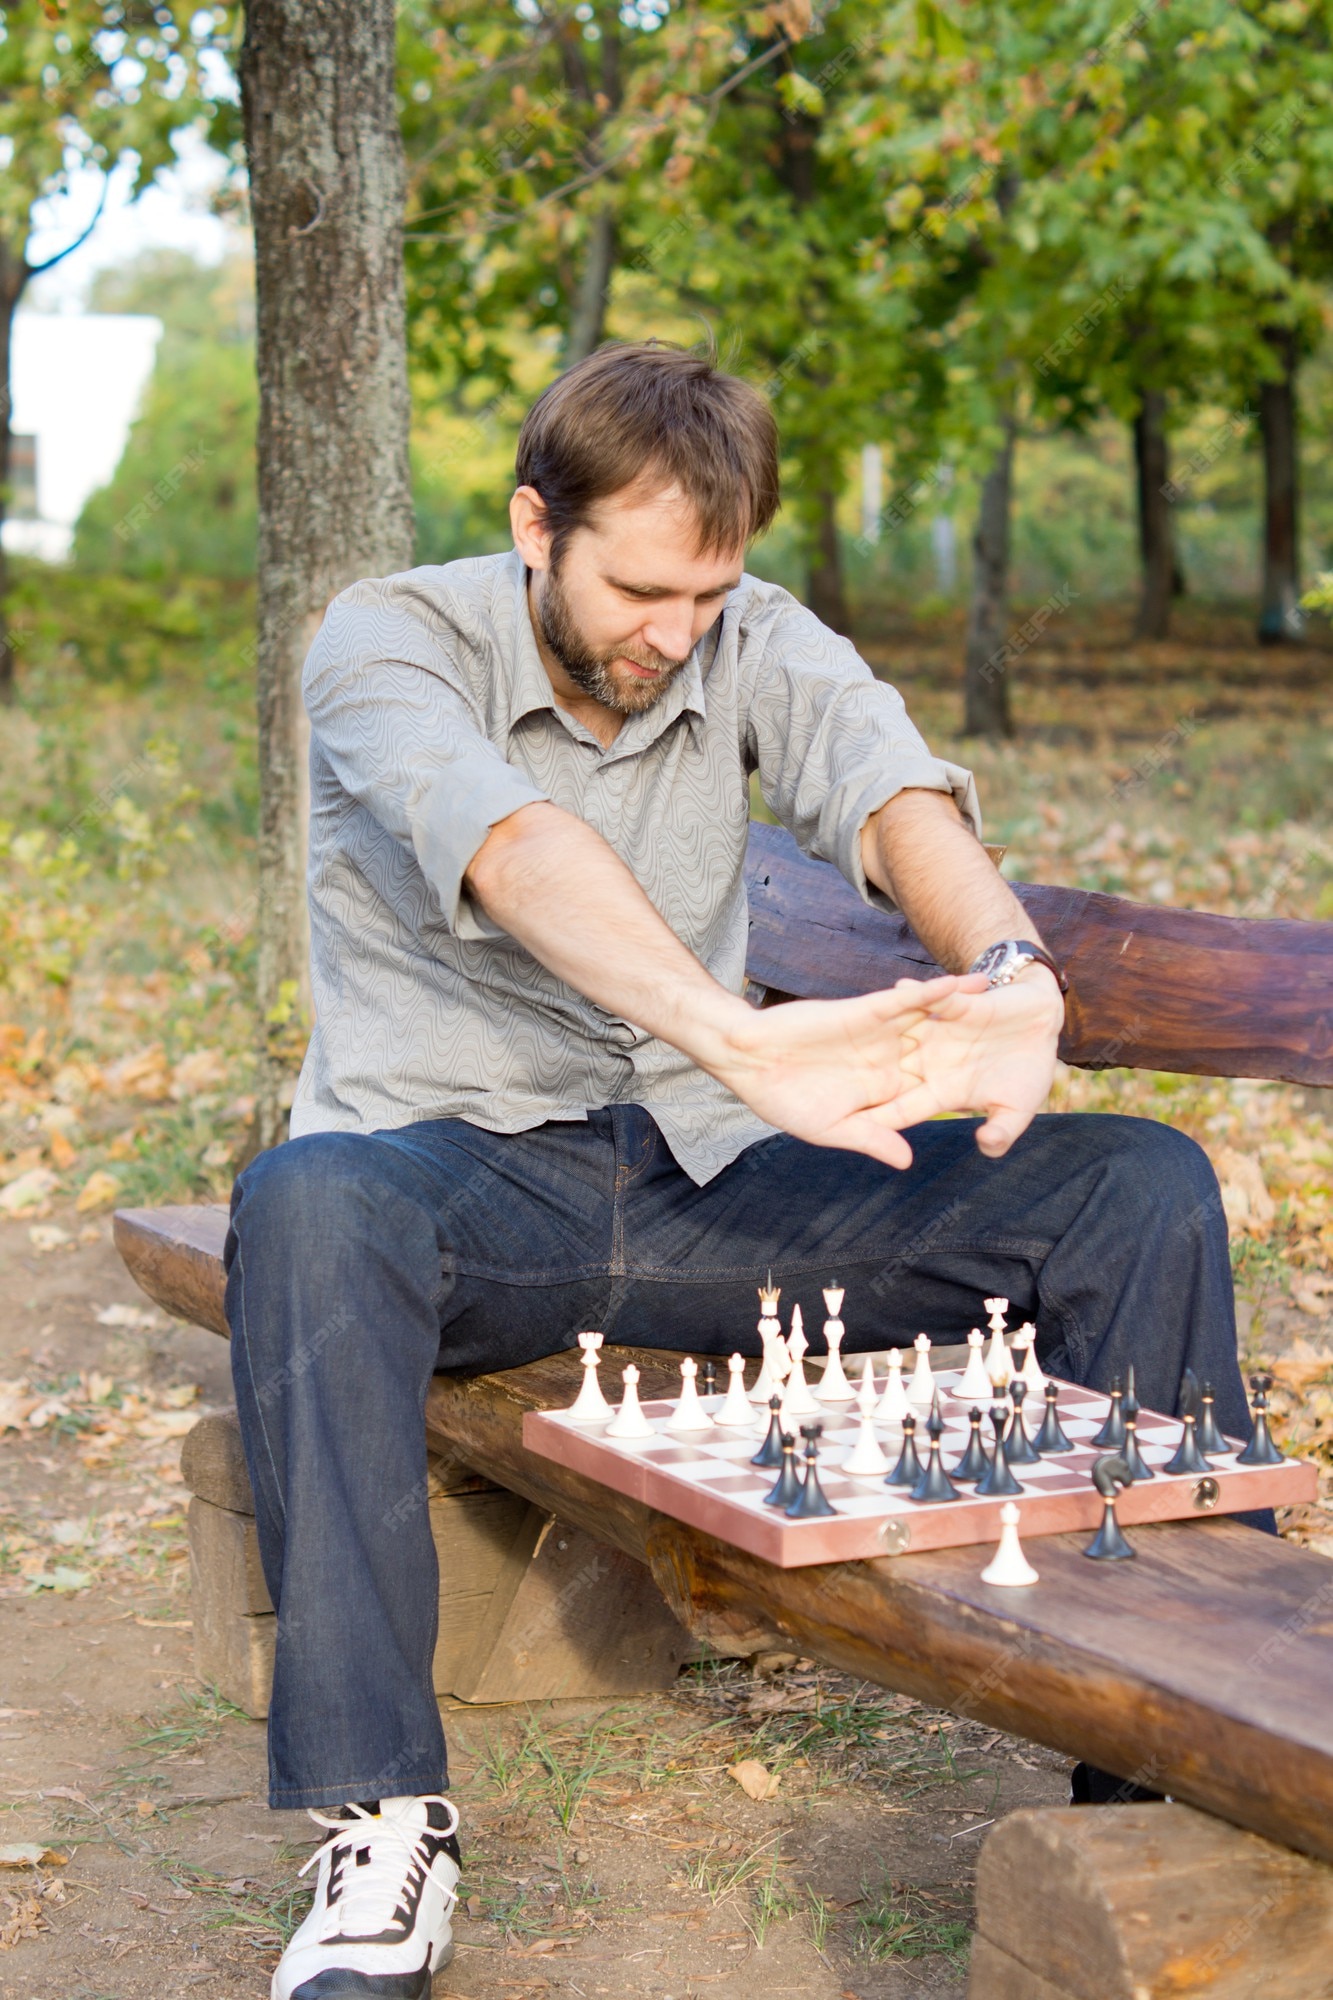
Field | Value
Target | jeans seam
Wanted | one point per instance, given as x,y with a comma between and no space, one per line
254,1386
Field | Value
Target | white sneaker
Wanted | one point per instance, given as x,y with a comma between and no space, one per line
379,1929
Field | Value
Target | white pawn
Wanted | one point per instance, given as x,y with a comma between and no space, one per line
893,1404
865,1460
736,1413
921,1388
833,1384
689,1413
590,1406
629,1420
1026,1338
1009,1567
976,1385
796,1398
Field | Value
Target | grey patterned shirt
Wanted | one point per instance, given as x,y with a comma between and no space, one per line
433,718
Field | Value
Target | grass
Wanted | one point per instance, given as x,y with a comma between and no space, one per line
897,1921
197,1720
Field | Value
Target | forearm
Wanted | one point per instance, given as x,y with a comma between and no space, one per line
918,850
557,887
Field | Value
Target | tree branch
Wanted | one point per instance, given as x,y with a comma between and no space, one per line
49,263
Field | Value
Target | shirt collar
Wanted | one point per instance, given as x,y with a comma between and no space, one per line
530,688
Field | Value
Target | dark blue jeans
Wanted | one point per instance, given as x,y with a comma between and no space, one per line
358,1264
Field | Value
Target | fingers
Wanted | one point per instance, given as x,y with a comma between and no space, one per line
862,1133
1000,1130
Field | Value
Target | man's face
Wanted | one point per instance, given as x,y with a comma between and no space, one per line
630,599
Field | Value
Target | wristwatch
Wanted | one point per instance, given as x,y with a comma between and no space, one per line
1003,962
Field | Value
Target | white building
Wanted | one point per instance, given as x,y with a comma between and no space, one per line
77,380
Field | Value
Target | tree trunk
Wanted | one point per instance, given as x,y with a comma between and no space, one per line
589,315
824,592
1156,534
335,504
987,655
1280,617
13,277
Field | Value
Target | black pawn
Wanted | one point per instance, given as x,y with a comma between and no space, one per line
908,1469
934,1483
769,1453
1211,1440
1139,1468
788,1485
812,1501
1260,1450
1112,1433
997,1479
1188,1457
710,1379
1018,1446
1109,1544
1050,1439
972,1465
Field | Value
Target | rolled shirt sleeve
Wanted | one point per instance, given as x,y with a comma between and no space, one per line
404,740
831,743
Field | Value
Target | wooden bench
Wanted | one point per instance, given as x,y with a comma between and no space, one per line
1205,1670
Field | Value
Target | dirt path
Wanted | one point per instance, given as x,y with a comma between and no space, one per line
608,1851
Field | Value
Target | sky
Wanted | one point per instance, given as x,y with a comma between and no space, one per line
172,213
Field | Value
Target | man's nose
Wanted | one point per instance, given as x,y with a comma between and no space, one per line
670,631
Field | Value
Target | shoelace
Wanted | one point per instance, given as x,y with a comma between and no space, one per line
385,1875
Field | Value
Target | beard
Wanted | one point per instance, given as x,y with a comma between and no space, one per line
591,670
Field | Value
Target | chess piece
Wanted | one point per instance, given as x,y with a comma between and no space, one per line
908,1469
788,1484
833,1384
770,1335
1018,1446
1187,1457
689,1413
997,1480
893,1404
999,1366
769,1453
1260,1450
972,1465
709,1377
1109,1544
975,1386
1112,1433
736,1413
1050,1439
1009,1568
865,1460
812,1502
1211,1441
1139,1468
629,1420
796,1398
1026,1338
921,1388
590,1405
934,1483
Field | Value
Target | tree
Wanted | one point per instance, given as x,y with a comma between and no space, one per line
100,83
326,187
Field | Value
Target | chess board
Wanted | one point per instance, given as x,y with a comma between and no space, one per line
706,1480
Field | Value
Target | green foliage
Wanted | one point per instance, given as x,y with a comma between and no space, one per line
182,499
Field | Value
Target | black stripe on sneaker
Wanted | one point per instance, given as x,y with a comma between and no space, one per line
334,1984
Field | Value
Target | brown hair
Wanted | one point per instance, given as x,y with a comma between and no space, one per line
636,408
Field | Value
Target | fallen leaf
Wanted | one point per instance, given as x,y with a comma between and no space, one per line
48,1236
99,1191
1249,1207
62,1579
31,1854
1302,1364
27,1191
1311,1295
25,1920
755,1779
65,1792
63,1155
125,1316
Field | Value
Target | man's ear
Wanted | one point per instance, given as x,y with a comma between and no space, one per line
530,527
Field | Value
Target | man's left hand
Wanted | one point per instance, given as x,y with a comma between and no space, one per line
984,1049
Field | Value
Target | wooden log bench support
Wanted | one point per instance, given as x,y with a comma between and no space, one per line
1203,1670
